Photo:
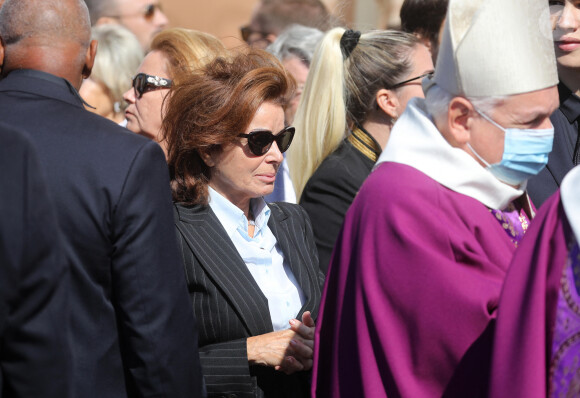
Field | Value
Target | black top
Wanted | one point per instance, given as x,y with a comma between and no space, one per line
565,148
333,186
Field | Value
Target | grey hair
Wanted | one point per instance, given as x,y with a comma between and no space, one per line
296,41
437,101
117,59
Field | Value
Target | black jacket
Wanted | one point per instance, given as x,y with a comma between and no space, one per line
133,332
35,358
333,186
229,304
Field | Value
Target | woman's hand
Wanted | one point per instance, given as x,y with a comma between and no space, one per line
287,350
305,344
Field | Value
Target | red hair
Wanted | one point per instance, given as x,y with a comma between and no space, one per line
208,109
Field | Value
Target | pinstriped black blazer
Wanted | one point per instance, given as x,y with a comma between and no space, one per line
229,304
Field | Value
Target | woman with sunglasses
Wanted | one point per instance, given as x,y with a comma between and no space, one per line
251,267
174,52
357,87
118,56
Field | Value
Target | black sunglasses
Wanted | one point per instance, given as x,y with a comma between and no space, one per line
247,31
150,11
430,74
143,82
260,141
147,13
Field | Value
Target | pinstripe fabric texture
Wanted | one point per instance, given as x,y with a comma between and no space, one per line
229,304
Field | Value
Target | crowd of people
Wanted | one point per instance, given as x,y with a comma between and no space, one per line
319,212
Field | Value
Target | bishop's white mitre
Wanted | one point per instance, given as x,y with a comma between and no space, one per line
496,48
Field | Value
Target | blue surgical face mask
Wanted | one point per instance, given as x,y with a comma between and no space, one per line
525,153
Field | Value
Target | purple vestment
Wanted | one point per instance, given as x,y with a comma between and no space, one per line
529,343
413,285
564,371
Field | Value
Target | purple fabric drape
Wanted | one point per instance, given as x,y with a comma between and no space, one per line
528,305
564,371
411,292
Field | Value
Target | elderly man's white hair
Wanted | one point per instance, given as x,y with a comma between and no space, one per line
437,101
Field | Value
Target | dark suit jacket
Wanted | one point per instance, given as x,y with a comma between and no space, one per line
330,191
35,357
560,161
229,304
133,331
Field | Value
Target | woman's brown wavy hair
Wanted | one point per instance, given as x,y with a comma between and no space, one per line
209,108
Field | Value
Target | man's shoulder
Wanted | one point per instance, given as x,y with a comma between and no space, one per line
101,136
43,104
345,157
395,186
392,176
344,169
12,138
110,132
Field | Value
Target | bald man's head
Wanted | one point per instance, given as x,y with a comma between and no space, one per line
49,21
53,36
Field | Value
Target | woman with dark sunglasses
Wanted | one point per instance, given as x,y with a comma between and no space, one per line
251,267
173,52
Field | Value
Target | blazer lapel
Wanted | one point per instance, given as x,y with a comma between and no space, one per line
217,254
303,268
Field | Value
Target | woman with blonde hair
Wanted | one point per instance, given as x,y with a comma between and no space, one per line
119,55
357,87
174,53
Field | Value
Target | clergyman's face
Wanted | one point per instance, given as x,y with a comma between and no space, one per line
521,111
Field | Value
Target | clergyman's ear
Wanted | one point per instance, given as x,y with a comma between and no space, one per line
459,119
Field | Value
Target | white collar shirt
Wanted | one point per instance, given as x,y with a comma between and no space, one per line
263,257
